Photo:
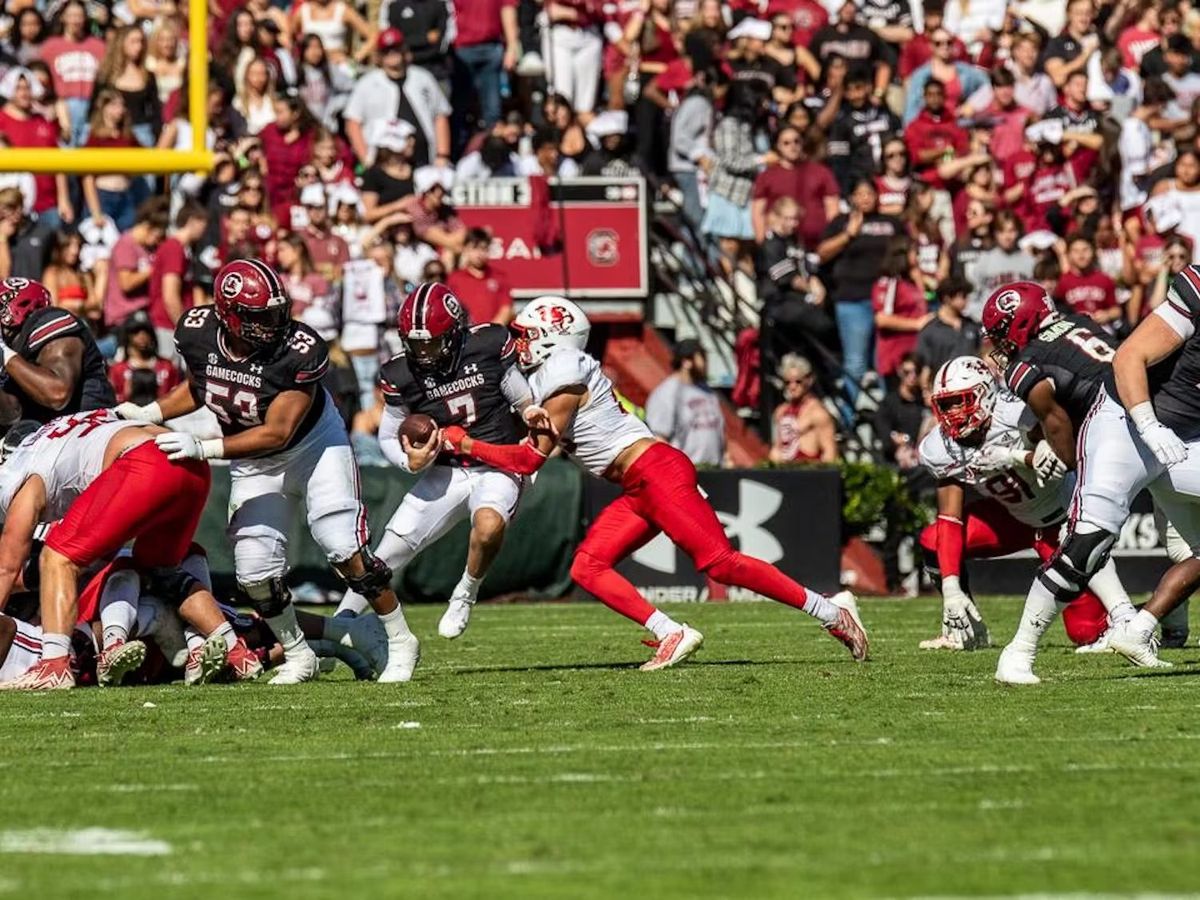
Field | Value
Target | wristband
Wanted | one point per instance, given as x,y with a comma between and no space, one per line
214,448
1143,415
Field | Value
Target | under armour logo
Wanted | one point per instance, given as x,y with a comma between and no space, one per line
430,382
255,369
759,503
212,359
470,368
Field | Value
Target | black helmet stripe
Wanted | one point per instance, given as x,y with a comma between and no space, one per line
269,276
421,306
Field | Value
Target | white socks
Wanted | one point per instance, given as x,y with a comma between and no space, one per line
661,625
819,607
1106,585
119,606
1144,621
467,588
287,629
395,624
55,646
1040,610
226,631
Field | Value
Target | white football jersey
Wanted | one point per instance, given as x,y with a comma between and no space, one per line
1014,486
601,428
67,453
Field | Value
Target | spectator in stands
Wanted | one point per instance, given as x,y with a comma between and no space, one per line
865,53
610,157
1080,139
128,287
802,430
396,90
690,151
255,98
917,51
901,415
810,184
70,286
1177,255
545,160
572,49
949,333
74,57
1137,144
26,37
997,105
958,80
705,34
171,285
484,293
25,241
124,69
237,47
142,376
684,410
389,182
333,21
933,136
853,247
494,159
424,24
1180,192
287,144
487,45
933,262
412,256
1069,52
114,197
23,127
327,251
900,308
894,181
305,285
728,218
433,219
323,87
857,129
166,59
1083,288
1005,262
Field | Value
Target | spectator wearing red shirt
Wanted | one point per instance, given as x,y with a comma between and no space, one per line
1052,179
934,136
327,250
132,260
900,308
811,184
171,284
287,145
433,220
1141,37
1081,137
808,17
482,291
1083,287
1007,117
918,51
142,376
486,45
25,128
74,59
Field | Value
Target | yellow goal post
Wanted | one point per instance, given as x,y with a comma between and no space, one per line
137,161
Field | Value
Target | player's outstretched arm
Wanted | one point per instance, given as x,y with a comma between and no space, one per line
179,402
50,381
284,416
17,540
1056,423
528,456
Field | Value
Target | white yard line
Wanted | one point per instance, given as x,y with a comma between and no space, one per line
82,842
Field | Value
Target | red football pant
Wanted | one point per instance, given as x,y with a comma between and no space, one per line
661,495
991,531
142,497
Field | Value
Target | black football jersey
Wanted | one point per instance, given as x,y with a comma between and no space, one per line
93,390
1175,382
1075,354
239,391
470,395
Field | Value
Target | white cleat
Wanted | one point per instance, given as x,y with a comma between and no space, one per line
1015,667
455,619
403,654
1136,645
675,648
1100,645
206,662
300,666
848,628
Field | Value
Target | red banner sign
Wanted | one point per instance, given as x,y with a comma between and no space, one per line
582,238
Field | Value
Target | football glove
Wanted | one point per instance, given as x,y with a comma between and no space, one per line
178,445
135,412
1046,464
961,622
1164,443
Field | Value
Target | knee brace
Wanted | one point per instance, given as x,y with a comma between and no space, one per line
1080,556
375,579
268,598
171,584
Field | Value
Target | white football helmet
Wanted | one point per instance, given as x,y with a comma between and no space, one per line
546,323
963,397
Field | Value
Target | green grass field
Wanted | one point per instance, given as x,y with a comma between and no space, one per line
531,759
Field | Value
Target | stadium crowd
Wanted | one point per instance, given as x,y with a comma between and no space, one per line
875,168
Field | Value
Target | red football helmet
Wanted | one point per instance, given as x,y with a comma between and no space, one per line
19,299
252,302
431,325
1014,314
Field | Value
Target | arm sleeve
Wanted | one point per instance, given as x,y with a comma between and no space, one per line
515,388
389,435
1183,325
950,545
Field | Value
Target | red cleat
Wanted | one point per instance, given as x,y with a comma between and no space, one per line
47,675
205,662
675,648
118,660
242,662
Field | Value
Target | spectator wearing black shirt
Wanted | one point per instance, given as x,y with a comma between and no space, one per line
1081,138
423,24
1154,62
25,240
900,416
865,53
1070,51
390,180
858,131
950,333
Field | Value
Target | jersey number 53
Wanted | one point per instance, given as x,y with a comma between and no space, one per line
230,403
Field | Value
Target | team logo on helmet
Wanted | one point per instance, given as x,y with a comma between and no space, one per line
16,284
452,305
1008,301
555,318
231,285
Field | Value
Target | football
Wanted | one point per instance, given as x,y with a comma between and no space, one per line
417,428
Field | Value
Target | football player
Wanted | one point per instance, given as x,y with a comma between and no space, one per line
1059,365
109,484
1164,408
985,441
457,375
578,411
51,360
258,371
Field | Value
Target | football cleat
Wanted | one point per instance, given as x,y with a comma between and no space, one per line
1015,667
243,664
1136,645
298,667
848,628
46,675
455,619
403,654
118,660
1099,645
206,662
674,648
